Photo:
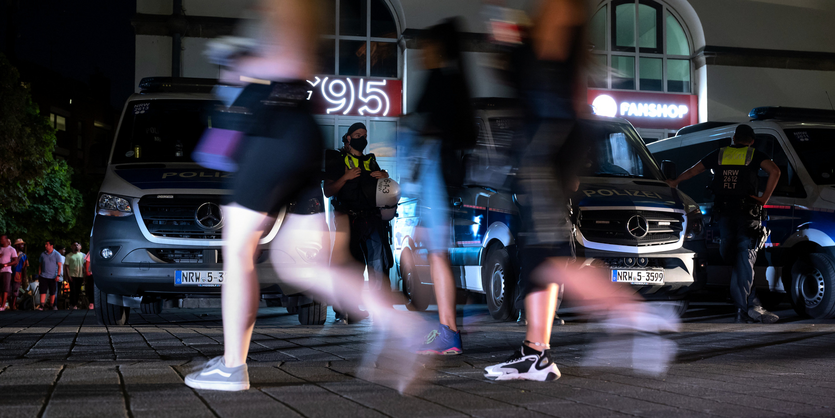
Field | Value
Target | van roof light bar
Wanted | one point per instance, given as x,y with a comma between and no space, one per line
177,85
792,113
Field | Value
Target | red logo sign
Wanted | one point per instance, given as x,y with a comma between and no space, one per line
350,96
647,110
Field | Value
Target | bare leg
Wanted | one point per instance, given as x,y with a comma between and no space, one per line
3,299
539,310
241,291
444,286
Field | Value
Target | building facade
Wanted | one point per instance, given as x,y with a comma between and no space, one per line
661,64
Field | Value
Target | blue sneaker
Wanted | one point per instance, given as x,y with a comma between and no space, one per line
442,341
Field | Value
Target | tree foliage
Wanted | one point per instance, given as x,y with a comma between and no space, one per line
37,200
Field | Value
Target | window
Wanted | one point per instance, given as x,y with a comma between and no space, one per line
687,156
360,39
815,148
789,184
639,45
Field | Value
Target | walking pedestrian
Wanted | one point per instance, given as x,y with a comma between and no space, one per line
549,77
50,266
8,260
281,158
351,182
445,125
75,273
20,272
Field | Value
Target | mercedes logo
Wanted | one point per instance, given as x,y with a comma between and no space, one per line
637,226
209,216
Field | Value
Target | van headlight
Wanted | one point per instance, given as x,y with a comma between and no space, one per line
110,205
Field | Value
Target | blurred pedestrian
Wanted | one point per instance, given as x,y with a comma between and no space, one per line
549,77
88,282
351,183
20,271
75,273
8,261
281,159
445,123
50,266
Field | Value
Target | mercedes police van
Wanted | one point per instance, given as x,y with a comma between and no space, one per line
158,222
799,256
625,216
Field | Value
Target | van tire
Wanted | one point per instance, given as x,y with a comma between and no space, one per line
106,313
152,307
812,288
499,282
313,313
418,295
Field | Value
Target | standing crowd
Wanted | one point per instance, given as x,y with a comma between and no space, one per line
62,277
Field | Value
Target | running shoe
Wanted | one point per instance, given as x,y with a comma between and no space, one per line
442,341
216,376
525,364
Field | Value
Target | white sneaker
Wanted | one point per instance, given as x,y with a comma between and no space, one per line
214,375
525,364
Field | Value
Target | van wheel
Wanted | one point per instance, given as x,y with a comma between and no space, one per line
106,313
417,294
313,313
152,307
499,281
812,286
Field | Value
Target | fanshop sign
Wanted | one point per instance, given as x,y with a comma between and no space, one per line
349,96
647,110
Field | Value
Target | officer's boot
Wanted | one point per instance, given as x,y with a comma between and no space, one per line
743,318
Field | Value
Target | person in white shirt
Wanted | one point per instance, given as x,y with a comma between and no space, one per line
8,259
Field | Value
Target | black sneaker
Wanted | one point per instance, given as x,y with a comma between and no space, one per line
525,364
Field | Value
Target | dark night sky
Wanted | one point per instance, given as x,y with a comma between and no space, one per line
76,39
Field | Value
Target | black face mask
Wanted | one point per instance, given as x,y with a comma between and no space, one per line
360,143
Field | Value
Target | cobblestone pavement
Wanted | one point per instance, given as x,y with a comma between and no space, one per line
61,364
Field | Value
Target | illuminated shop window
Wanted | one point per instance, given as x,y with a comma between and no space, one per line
640,45
360,39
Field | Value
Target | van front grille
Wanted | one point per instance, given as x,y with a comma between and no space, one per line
613,227
187,256
177,216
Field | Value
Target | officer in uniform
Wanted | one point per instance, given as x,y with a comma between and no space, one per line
739,212
351,180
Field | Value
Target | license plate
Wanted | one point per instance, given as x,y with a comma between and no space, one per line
201,278
638,276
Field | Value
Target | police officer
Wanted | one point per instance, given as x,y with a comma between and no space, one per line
739,210
351,180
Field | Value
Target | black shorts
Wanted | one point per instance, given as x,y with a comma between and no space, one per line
46,285
280,157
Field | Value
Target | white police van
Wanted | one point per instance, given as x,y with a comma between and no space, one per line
625,216
799,256
158,223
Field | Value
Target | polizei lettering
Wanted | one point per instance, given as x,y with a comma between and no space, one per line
200,174
730,178
623,192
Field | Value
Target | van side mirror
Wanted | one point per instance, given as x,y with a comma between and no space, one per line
668,168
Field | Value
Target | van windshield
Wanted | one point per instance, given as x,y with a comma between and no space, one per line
615,150
161,131
815,147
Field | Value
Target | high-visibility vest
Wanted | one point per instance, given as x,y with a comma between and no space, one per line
353,162
735,177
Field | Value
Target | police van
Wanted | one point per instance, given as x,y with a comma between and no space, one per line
158,224
799,255
626,219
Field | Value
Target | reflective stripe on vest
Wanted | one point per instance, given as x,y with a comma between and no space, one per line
736,156
353,162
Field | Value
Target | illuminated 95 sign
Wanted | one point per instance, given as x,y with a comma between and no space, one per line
344,96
